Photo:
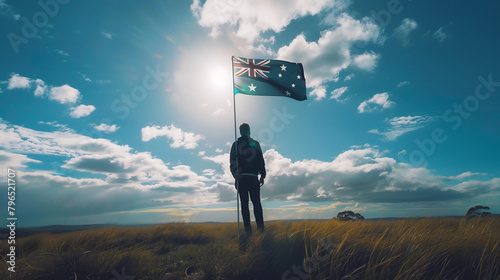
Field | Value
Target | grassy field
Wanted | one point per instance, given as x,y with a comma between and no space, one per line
437,248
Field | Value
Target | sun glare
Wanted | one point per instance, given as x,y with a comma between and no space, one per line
220,79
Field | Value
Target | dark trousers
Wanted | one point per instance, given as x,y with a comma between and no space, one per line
250,185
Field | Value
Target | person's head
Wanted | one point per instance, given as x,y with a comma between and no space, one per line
245,129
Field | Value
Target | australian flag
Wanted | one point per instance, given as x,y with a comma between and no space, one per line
269,78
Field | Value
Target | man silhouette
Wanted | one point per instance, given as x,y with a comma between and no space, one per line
246,164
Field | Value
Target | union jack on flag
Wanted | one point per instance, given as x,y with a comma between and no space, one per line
249,66
269,77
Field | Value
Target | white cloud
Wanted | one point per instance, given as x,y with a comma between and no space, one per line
401,125
366,145
260,49
337,93
251,18
61,52
180,139
379,101
440,35
349,77
271,40
41,88
64,94
402,84
324,59
366,61
85,77
223,161
12,160
477,187
410,120
62,142
106,128
465,175
55,124
403,31
318,93
17,81
81,111
106,35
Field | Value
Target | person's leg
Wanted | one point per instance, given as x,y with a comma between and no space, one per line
245,212
254,189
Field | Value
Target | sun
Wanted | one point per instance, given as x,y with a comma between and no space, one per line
221,79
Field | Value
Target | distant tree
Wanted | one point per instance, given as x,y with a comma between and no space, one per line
477,211
349,216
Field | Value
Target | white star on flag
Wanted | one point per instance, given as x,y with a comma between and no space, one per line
288,93
283,67
252,87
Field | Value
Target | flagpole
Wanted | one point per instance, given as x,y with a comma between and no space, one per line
236,149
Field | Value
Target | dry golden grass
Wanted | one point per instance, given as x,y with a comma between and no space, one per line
439,248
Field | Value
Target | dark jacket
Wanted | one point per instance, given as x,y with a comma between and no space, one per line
250,159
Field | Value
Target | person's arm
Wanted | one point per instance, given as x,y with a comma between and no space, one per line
261,165
232,162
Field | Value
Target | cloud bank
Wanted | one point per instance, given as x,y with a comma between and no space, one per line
361,174
251,18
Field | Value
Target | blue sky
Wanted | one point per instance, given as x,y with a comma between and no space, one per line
121,112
